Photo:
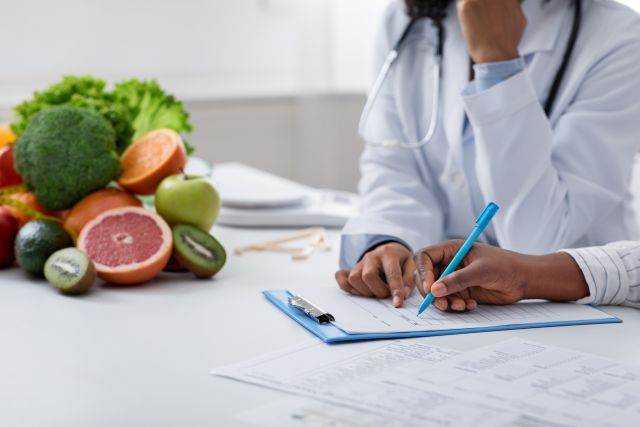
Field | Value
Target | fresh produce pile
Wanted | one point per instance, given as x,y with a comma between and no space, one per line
71,168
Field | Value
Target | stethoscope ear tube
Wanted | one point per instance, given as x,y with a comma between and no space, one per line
575,29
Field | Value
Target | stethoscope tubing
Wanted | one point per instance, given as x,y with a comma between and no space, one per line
395,52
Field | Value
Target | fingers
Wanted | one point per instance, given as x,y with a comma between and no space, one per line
356,281
391,263
432,259
470,303
393,276
441,303
456,302
455,282
454,289
424,272
371,278
364,279
408,276
342,277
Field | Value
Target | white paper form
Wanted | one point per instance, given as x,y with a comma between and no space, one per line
513,383
558,385
317,370
369,315
363,376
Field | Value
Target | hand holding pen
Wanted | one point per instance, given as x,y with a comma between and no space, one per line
491,275
481,223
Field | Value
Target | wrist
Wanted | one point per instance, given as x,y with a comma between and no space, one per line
492,54
554,277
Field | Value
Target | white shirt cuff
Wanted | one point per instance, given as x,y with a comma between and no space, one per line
605,274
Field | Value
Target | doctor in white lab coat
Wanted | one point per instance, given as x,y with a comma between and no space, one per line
561,180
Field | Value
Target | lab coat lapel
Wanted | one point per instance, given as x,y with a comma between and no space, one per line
544,21
455,76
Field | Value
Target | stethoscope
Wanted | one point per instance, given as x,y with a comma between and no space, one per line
437,71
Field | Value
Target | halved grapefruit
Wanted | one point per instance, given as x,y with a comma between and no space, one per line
128,245
94,204
150,159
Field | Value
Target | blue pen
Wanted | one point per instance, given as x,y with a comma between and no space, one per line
481,223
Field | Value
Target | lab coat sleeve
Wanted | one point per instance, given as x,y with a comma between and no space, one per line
612,273
553,184
396,200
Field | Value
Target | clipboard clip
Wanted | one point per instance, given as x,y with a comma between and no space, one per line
311,310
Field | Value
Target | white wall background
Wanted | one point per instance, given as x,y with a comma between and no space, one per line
200,49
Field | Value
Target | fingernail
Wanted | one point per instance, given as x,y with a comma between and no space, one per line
407,291
439,305
396,301
471,305
458,306
438,290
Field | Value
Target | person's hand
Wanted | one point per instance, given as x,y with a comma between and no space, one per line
491,28
385,271
486,275
490,275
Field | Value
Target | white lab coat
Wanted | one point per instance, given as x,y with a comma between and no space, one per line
560,181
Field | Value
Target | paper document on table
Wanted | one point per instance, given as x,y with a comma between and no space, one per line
303,412
514,382
559,385
295,369
359,315
365,376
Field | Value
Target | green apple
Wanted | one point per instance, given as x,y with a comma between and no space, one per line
186,199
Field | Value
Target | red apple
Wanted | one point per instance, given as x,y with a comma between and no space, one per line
8,230
8,174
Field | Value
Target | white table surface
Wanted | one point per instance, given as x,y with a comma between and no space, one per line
141,356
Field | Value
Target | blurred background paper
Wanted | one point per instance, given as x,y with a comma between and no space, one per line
254,198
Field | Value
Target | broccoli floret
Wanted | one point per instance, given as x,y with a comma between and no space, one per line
79,91
66,153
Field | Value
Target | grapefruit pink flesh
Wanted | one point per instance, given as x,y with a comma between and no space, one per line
127,245
94,204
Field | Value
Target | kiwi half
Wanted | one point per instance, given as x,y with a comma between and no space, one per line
70,271
198,251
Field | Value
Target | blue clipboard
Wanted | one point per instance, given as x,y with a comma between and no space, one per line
330,333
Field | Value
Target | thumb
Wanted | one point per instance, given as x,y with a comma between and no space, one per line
455,282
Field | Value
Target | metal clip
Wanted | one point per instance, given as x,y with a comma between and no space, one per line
319,315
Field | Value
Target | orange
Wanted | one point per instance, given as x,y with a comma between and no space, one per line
6,137
150,159
28,200
94,204
127,245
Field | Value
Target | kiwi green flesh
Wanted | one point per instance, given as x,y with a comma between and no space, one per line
70,271
198,251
